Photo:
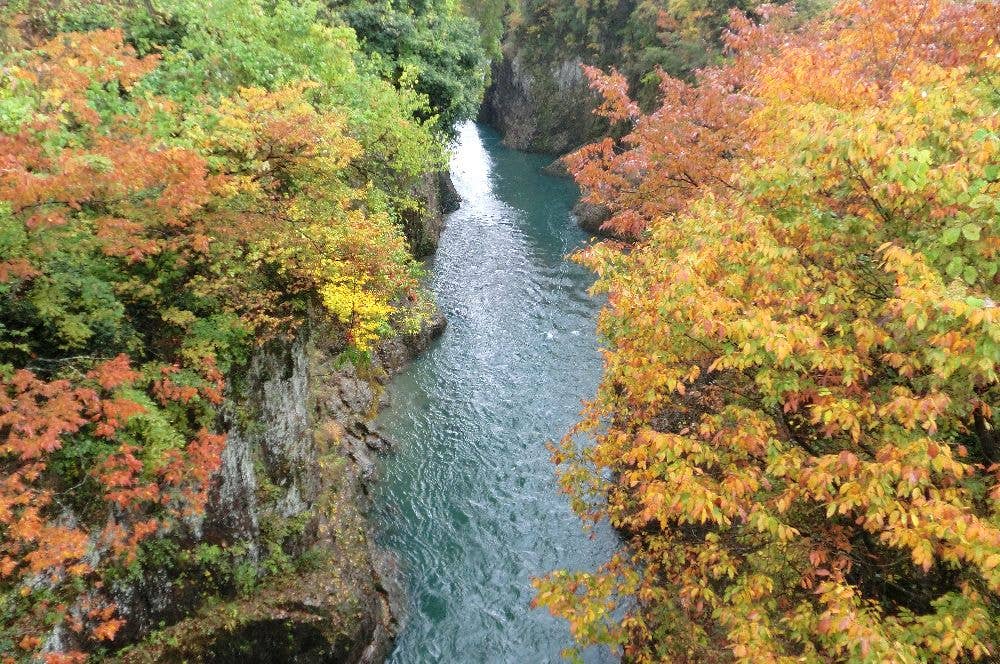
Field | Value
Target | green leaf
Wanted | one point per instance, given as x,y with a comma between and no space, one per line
955,266
951,235
970,232
969,274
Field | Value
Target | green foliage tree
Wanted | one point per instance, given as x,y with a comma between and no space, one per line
492,18
430,45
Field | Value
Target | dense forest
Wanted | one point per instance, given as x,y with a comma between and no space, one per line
796,427
179,182
795,432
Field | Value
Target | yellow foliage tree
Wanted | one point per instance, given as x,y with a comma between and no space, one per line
797,413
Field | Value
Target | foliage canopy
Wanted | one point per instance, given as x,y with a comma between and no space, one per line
638,37
175,186
796,430
429,43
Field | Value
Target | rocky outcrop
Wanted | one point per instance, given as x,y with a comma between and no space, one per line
557,169
281,567
591,218
290,505
423,227
399,351
541,106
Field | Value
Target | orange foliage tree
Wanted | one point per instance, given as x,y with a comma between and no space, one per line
796,430
93,209
141,244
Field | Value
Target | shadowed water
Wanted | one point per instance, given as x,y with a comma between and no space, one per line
469,500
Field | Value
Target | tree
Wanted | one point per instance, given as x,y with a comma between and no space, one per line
491,16
145,243
430,45
797,411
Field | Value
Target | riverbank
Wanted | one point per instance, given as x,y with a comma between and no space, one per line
291,505
294,487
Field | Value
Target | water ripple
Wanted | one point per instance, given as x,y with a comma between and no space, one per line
469,501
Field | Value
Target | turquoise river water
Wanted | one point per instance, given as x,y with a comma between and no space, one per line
468,500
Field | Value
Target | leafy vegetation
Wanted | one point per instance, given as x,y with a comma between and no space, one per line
796,429
636,36
428,43
178,181
492,18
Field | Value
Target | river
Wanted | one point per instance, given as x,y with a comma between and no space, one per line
468,500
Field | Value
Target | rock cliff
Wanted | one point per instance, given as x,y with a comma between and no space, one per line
423,227
541,106
281,566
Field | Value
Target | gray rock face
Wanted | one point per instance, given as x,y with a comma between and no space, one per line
591,218
400,351
300,454
557,169
270,441
541,107
423,228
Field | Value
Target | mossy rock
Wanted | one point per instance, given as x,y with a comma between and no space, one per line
314,618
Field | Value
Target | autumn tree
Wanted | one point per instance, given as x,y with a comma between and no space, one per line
95,225
146,242
796,429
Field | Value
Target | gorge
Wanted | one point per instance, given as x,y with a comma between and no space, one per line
299,300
